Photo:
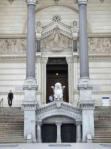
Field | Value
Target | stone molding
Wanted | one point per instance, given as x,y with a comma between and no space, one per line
58,108
30,84
31,2
82,2
32,106
84,84
78,123
87,104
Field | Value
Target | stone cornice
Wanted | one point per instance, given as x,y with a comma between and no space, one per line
22,36
82,2
31,2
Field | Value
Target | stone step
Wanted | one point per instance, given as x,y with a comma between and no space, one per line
11,125
102,117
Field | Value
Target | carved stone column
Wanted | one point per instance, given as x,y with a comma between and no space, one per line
38,35
78,131
39,138
58,124
30,85
85,88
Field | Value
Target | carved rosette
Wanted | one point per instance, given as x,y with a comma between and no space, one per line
31,2
82,2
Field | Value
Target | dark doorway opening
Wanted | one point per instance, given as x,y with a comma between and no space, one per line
68,133
49,133
57,71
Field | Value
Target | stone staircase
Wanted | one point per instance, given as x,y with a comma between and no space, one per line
11,125
102,125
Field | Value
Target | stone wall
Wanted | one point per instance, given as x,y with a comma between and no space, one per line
13,68
13,16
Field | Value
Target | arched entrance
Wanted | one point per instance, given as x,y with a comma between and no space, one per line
58,122
57,71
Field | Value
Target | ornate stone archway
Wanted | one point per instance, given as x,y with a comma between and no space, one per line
59,113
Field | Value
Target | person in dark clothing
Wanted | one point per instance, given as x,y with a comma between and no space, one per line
10,98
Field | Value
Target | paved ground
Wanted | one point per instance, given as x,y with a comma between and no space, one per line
56,146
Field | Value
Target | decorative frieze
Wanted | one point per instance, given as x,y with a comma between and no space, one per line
12,46
99,45
18,46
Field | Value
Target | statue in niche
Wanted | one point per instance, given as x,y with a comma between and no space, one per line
58,91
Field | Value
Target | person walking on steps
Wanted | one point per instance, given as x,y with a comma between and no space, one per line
10,98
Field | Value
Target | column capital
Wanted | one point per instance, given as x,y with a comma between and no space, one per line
31,2
82,2
58,123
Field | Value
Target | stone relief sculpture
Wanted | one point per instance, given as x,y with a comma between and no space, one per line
56,41
99,45
12,46
58,91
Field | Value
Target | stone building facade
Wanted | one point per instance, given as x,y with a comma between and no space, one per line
54,29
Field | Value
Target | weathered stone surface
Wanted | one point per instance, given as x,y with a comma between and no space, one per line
99,45
12,46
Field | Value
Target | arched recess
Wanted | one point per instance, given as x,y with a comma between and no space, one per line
45,14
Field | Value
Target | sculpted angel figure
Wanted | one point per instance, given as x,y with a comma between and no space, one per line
58,91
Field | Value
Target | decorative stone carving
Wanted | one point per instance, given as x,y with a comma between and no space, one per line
66,110
74,30
56,41
58,91
31,2
84,84
38,30
12,46
99,45
56,18
80,2
30,84
18,46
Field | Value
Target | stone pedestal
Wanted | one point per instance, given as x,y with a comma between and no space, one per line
29,105
86,103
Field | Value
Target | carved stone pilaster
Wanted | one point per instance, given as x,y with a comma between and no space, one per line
75,30
82,2
85,89
70,61
87,104
31,2
43,79
38,30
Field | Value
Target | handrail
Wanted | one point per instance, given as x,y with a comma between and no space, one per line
1,102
